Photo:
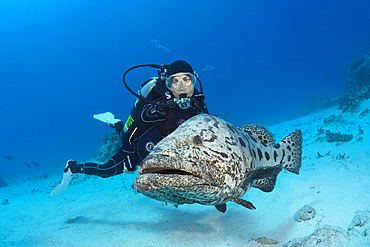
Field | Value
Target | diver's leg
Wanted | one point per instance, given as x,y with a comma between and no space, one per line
122,161
113,166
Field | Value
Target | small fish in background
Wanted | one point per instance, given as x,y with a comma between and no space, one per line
327,77
35,164
9,157
28,164
208,68
227,113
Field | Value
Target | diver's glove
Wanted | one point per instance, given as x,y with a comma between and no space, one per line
73,166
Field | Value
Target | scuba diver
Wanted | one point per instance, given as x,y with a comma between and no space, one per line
163,103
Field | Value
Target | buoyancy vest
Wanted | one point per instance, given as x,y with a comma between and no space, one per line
153,122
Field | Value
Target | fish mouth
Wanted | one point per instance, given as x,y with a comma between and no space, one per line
159,171
166,170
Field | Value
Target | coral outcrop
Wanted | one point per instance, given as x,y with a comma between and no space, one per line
361,223
326,131
111,144
333,236
3,183
306,213
358,84
337,137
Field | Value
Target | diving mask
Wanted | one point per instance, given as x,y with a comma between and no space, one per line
180,81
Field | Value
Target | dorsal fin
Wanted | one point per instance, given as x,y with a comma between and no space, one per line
260,133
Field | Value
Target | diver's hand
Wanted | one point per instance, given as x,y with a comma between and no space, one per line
73,166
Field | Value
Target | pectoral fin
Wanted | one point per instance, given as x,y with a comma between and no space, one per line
264,172
265,184
221,208
264,178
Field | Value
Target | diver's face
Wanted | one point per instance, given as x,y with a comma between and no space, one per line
182,84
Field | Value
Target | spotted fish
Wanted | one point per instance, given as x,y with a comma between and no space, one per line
207,160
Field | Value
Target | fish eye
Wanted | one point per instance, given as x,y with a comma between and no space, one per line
197,139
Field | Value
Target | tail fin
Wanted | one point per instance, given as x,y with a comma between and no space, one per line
292,151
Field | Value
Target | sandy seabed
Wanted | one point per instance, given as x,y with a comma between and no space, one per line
108,212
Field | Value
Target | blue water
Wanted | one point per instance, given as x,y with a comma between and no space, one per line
62,61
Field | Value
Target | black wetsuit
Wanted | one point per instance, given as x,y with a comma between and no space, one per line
151,124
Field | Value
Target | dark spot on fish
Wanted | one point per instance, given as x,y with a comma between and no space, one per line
289,148
287,166
289,157
230,127
238,158
230,141
232,156
254,139
267,155
254,153
259,154
264,142
242,142
277,146
210,129
275,156
224,155
213,138
220,153
282,158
